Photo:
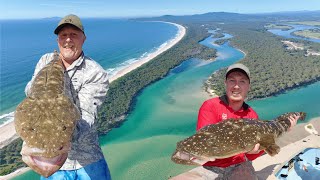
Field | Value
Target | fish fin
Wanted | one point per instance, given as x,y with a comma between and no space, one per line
273,149
267,142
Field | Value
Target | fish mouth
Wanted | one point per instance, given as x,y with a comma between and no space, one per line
49,162
45,166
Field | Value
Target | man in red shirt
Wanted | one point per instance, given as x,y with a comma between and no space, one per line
232,105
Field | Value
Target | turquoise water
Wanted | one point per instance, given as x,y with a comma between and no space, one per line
304,99
166,112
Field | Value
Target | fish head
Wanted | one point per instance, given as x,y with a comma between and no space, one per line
194,150
186,158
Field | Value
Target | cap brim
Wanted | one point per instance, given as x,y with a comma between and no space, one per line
58,29
239,70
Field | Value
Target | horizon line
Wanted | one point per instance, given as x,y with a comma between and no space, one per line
154,16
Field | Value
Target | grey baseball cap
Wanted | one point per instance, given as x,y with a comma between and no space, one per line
70,19
238,67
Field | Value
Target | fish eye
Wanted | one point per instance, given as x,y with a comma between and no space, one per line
31,129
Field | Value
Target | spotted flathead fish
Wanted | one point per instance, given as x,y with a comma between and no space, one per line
231,137
46,118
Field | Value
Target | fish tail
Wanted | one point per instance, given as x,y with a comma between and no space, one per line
302,116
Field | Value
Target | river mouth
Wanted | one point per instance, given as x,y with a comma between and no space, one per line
166,112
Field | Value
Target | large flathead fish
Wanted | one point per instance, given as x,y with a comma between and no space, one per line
46,119
231,137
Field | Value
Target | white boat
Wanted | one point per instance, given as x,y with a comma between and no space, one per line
305,165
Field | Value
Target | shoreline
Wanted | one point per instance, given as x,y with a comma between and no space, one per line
15,173
8,133
172,42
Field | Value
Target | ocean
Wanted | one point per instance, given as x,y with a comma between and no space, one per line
113,43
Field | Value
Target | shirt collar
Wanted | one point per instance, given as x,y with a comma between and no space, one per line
224,99
77,62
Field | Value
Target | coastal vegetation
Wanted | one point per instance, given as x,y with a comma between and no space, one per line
10,158
310,23
308,33
220,41
278,26
274,69
218,35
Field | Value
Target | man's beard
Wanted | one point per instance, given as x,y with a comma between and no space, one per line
69,54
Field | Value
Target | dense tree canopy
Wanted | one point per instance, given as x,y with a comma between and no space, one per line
273,69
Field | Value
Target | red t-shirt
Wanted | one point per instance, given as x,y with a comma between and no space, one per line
217,109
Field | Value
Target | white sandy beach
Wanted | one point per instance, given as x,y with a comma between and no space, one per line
8,133
180,35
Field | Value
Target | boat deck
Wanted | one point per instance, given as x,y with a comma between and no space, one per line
304,165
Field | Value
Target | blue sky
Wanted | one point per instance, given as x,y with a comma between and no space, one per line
20,9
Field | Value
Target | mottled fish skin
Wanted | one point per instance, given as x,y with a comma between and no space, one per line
231,137
46,119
